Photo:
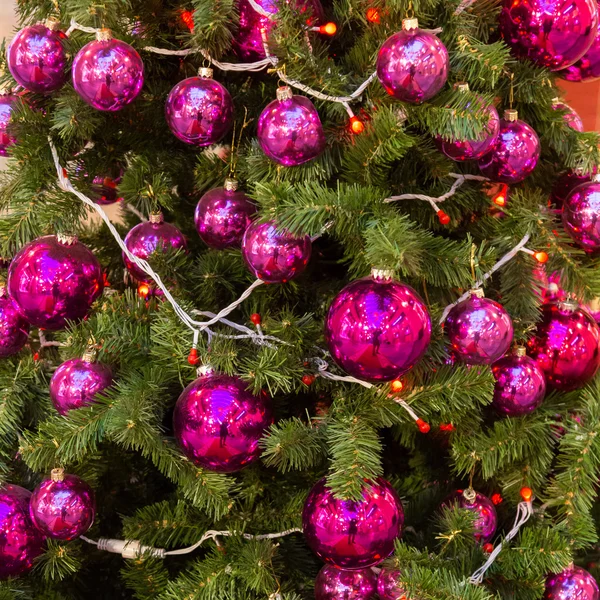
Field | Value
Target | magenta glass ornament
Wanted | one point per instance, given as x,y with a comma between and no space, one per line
104,189
62,507
339,584
587,68
275,255
107,73
218,423
515,154
377,328
565,345
486,520
551,33
54,279
571,118
223,215
581,215
290,130
37,59
574,583
14,329
7,138
388,586
565,184
199,110
413,65
20,541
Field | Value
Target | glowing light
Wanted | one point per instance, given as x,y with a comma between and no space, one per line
397,386
187,16
443,217
424,427
328,29
373,15
501,197
356,125
143,290
526,494
541,257
497,499
256,318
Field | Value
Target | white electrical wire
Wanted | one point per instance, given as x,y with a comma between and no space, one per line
460,178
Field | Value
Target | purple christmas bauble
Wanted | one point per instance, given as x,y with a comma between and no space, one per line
20,541
223,215
551,33
353,534
37,59
104,190
388,586
566,345
14,329
146,238
581,215
571,118
107,73
515,154
377,328
486,520
290,130
7,102
413,65
574,583
199,110
338,584
275,255
565,184
54,279
62,507
587,68
218,423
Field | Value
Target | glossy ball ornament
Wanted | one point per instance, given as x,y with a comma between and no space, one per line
339,584
551,33
413,65
581,215
14,329
54,279
104,189
353,534
377,328
275,255
565,184
571,118
20,541
218,423
223,215
108,74
388,586
7,138
62,507
587,68
290,130
486,520
574,583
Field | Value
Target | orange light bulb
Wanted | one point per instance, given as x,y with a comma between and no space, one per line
328,29
187,16
541,257
501,197
356,125
443,217
397,386
143,290
424,427
373,15
526,494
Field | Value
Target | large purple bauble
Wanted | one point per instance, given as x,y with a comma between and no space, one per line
353,534
14,329
36,58
551,33
565,345
377,328
581,215
76,382
413,65
574,583
290,130
20,541
565,184
275,255
7,138
339,584
63,507
108,74
486,520
218,423
54,279
571,118
388,586
587,68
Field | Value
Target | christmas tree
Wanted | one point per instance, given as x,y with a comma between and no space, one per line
298,301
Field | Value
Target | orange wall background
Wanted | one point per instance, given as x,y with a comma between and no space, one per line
585,99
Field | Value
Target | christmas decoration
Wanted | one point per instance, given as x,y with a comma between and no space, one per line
388,586
223,215
62,507
104,189
108,73
353,534
338,584
14,329
515,154
289,129
587,68
565,184
199,110
486,519
581,213
413,65
7,104
275,255
571,118
54,279
218,423
377,328
574,583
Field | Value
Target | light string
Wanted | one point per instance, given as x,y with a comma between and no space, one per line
459,178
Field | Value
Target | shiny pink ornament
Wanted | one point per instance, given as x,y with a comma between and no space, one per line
574,583
413,65
14,329
388,586
353,534
338,584
551,33
377,328
486,520
63,507
565,345
107,73
581,215
104,190
289,129
571,118
54,279
565,184
7,138
218,423
587,68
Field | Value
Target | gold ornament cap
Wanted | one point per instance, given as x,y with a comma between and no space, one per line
57,475
470,495
478,293
52,23
410,24
510,114
520,351
569,305
205,73
462,86
204,371
104,35
90,355
382,274
66,239
596,177
156,218
284,93
231,184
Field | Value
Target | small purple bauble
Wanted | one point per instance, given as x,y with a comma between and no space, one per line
581,215
290,130
551,33
487,519
388,586
20,541
515,154
218,423
377,328
275,255
104,190
14,329
413,65
54,279
587,68
107,73
571,118
146,238
62,507
223,215
7,138
565,184
338,584
574,583
199,110
37,59
353,534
